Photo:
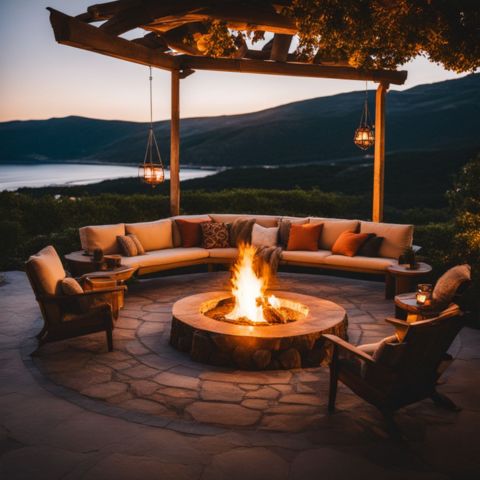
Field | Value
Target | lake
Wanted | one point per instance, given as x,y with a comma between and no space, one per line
43,175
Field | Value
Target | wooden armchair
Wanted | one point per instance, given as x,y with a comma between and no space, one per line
86,311
397,373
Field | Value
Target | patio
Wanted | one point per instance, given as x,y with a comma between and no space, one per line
78,412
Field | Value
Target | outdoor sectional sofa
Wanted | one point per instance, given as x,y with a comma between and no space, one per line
162,242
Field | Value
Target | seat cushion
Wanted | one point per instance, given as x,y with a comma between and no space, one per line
396,237
228,253
47,271
332,228
155,235
263,220
101,236
377,264
301,256
165,256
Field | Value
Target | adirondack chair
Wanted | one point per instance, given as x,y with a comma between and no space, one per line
397,374
92,310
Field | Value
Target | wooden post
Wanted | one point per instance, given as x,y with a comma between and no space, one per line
379,157
175,145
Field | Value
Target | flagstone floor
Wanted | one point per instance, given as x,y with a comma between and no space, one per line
73,410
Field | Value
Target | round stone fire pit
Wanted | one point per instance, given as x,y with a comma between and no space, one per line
288,345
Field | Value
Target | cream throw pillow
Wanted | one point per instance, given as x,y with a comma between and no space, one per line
264,237
152,235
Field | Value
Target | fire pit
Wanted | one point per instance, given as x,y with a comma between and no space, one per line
250,328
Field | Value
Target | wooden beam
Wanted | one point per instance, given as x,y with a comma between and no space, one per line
280,47
73,32
379,155
175,145
293,69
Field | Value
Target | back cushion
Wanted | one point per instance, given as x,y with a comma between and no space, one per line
152,235
267,221
396,238
332,228
101,236
176,237
47,269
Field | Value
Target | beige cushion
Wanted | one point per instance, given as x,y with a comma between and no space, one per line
166,256
228,253
47,269
296,220
70,286
396,237
302,256
332,228
377,264
448,284
152,235
101,236
176,237
264,237
263,220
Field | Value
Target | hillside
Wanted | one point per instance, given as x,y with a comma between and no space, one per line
431,117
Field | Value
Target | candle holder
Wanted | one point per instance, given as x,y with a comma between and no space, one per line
424,294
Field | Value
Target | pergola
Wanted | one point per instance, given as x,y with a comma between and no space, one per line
171,23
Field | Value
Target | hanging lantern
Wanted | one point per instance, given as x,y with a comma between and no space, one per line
365,134
151,170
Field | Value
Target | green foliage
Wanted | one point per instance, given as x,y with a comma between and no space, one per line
380,34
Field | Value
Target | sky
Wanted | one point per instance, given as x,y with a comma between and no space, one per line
41,79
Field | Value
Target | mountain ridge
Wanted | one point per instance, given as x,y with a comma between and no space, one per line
425,117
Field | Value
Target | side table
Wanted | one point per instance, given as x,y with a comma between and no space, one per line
401,279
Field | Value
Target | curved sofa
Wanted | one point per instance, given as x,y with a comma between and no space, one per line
162,243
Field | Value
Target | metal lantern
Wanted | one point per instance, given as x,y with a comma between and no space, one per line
151,170
365,134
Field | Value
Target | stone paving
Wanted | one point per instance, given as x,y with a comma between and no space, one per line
73,410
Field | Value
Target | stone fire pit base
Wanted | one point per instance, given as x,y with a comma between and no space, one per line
284,346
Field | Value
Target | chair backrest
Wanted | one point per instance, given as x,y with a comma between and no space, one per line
425,344
45,272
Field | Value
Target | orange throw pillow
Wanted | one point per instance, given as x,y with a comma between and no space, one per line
349,243
190,231
304,237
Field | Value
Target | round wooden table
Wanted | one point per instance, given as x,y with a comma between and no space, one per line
80,264
402,279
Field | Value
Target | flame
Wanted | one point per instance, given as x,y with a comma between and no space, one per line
247,288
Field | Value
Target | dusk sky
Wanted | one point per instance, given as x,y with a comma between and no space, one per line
41,79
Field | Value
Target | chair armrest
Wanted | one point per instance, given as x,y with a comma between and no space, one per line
87,294
397,322
344,345
416,248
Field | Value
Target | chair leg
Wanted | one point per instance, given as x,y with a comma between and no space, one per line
108,331
443,401
332,393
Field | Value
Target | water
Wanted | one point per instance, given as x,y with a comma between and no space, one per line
43,175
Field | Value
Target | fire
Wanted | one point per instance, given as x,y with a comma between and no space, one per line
248,288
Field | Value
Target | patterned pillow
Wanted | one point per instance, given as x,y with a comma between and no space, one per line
215,235
138,244
127,245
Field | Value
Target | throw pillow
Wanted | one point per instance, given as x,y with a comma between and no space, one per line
284,232
138,244
448,284
264,237
190,231
304,237
127,246
70,286
215,235
371,247
241,231
348,243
